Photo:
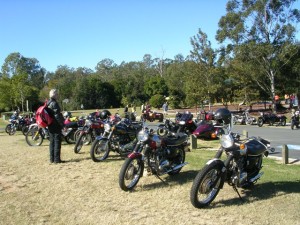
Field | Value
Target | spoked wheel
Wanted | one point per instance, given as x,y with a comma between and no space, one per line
207,184
12,130
33,137
83,139
8,128
100,150
180,158
25,130
130,173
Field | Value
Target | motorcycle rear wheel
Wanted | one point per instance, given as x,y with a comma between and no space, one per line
100,150
25,130
33,137
130,173
206,185
260,122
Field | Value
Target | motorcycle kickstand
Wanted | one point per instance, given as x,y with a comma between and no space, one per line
164,182
236,190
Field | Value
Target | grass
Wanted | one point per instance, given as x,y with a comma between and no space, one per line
32,191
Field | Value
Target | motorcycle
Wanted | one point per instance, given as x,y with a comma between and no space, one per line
158,153
295,120
116,137
271,119
36,135
90,130
16,124
186,123
240,169
244,118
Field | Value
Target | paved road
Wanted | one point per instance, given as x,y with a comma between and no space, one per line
278,136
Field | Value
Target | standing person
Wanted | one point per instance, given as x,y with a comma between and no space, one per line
55,127
165,108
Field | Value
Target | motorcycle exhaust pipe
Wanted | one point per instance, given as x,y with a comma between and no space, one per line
256,177
176,167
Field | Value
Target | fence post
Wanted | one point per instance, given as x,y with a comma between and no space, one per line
285,154
245,133
193,140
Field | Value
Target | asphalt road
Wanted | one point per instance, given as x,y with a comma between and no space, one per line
278,136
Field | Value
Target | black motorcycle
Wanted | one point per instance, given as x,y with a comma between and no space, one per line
158,153
240,169
16,124
185,123
295,120
271,119
117,137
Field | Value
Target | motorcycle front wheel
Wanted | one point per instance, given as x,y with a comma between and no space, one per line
83,139
33,137
130,173
25,130
100,150
8,128
206,185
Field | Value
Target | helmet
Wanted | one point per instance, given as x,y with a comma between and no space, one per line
162,131
223,115
105,114
67,114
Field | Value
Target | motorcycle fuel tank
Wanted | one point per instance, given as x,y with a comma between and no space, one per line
255,148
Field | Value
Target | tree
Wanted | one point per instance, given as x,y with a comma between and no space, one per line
262,32
202,83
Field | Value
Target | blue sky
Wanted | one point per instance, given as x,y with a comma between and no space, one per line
80,33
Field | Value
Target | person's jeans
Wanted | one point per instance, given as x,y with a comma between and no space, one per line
55,146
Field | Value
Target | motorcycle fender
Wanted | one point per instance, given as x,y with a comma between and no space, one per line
135,155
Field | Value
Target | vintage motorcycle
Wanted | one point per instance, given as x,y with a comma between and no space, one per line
271,119
186,123
16,124
159,153
116,137
91,129
240,169
295,120
244,118
36,135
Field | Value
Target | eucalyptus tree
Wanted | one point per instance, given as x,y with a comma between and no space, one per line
262,33
201,83
23,77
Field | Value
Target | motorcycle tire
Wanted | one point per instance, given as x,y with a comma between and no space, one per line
208,183
180,158
25,130
70,138
83,139
33,137
100,150
12,130
260,122
8,128
130,173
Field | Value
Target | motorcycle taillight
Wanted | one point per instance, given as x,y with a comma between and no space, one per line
152,145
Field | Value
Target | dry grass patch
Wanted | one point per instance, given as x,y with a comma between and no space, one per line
33,191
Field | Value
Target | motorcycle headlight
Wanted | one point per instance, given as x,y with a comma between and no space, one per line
227,141
181,122
88,123
143,135
107,127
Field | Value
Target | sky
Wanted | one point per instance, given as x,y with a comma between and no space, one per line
81,33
